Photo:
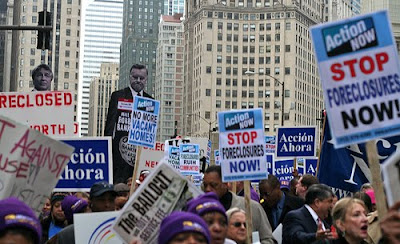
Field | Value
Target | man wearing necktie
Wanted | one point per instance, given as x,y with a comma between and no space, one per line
306,224
118,122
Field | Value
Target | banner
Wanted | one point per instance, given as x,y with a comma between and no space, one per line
189,159
163,191
30,163
95,228
143,128
89,163
360,75
242,145
50,112
296,141
346,169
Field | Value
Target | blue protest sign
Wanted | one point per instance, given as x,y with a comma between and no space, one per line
270,144
296,142
360,76
311,166
143,128
91,162
242,145
173,157
189,159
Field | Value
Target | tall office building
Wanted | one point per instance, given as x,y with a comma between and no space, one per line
393,6
101,44
63,55
3,21
100,89
251,54
169,76
139,39
339,9
172,7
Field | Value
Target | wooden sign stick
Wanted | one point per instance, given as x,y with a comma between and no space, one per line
374,166
133,185
247,199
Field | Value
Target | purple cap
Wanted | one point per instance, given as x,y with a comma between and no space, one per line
71,205
206,203
14,213
180,222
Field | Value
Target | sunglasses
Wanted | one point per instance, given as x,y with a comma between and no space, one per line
239,224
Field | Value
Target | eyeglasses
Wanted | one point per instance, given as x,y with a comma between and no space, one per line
239,224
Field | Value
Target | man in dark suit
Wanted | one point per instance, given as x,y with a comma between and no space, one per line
306,224
275,202
119,119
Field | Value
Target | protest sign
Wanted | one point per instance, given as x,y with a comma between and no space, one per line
217,158
96,228
50,112
391,176
189,159
173,157
270,144
296,141
30,163
143,127
89,163
150,158
242,145
163,191
209,144
359,69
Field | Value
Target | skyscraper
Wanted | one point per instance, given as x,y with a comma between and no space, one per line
251,54
169,76
139,39
101,44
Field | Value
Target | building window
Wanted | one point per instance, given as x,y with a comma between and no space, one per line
287,48
208,69
208,92
66,85
209,47
218,92
66,75
209,25
287,70
218,103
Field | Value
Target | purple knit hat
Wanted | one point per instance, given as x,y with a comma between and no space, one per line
180,222
14,213
205,203
71,205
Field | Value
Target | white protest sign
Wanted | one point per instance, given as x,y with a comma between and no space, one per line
30,163
189,159
50,112
242,145
391,177
173,157
150,158
360,75
143,128
163,191
96,228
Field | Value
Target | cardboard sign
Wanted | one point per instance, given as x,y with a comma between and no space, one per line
242,145
50,112
296,142
143,127
391,176
217,158
359,69
189,159
270,144
173,157
209,144
96,228
150,158
91,162
163,191
30,163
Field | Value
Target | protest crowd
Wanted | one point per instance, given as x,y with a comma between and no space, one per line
173,199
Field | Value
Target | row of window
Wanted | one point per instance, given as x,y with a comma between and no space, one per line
246,27
234,71
247,49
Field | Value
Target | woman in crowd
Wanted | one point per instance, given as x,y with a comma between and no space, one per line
211,210
236,225
350,219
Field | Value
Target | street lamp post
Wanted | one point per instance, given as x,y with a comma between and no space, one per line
205,120
282,83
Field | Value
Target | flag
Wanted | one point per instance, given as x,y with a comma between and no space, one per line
346,169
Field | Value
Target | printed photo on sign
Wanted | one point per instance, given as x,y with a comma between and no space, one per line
143,129
163,191
89,163
242,145
360,76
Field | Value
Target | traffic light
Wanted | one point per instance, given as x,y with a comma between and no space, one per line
43,41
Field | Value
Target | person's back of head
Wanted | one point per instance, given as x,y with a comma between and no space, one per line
365,198
308,180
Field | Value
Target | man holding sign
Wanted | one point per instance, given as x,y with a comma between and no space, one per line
118,122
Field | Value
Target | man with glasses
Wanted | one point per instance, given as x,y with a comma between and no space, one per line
42,77
212,182
277,203
118,121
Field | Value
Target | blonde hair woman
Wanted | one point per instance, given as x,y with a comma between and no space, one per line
236,225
